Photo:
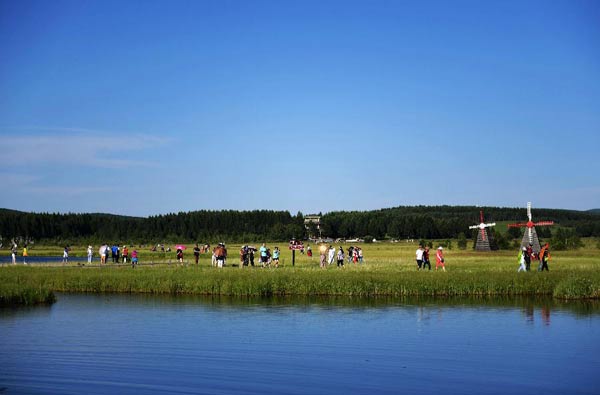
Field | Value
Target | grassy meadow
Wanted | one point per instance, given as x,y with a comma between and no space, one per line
389,270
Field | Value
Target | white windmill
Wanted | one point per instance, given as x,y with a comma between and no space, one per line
530,236
483,242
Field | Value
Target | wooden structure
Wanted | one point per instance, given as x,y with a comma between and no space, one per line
530,235
485,241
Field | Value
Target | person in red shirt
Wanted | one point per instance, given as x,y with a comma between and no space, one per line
439,259
125,254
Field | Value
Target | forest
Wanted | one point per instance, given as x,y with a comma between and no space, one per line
412,222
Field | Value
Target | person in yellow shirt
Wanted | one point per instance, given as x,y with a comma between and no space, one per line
25,254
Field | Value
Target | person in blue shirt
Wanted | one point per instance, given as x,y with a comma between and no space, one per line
276,256
115,253
263,254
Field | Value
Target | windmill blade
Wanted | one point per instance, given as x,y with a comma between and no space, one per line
530,235
474,227
482,234
544,223
488,225
517,225
529,210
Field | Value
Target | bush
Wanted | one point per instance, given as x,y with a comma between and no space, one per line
565,239
462,241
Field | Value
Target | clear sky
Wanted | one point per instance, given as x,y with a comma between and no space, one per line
149,107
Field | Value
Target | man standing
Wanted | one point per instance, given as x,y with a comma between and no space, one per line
263,255
115,253
197,253
419,255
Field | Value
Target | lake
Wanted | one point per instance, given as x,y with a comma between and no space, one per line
139,344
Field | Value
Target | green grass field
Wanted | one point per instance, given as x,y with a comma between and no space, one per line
389,270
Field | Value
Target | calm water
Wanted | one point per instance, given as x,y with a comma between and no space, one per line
121,344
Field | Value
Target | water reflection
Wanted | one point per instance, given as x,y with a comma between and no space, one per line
133,344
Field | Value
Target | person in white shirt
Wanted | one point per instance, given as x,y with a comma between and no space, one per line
419,254
331,255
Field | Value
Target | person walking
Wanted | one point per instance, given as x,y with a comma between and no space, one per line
221,254
103,251
521,260
426,261
360,255
13,253
419,255
25,254
180,255
115,253
323,256
528,256
196,253
276,254
330,255
263,255
544,257
90,253
125,254
65,255
439,259
340,257
134,258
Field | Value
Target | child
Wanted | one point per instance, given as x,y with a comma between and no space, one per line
25,254
134,259
180,255
521,260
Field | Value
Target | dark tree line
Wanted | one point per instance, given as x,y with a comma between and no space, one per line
416,222
440,222
197,225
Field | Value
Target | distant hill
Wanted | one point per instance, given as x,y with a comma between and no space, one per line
594,211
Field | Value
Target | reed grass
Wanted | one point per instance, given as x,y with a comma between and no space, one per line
14,294
389,270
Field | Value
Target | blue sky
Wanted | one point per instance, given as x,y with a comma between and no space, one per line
148,107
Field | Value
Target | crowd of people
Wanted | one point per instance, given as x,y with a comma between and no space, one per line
267,257
423,261
527,255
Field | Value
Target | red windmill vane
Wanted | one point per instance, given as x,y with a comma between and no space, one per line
484,241
530,236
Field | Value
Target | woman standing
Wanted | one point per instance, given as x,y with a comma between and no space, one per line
439,259
90,253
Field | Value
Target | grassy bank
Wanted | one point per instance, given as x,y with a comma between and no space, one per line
15,294
389,271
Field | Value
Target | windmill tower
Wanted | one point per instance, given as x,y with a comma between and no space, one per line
530,236
484,241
